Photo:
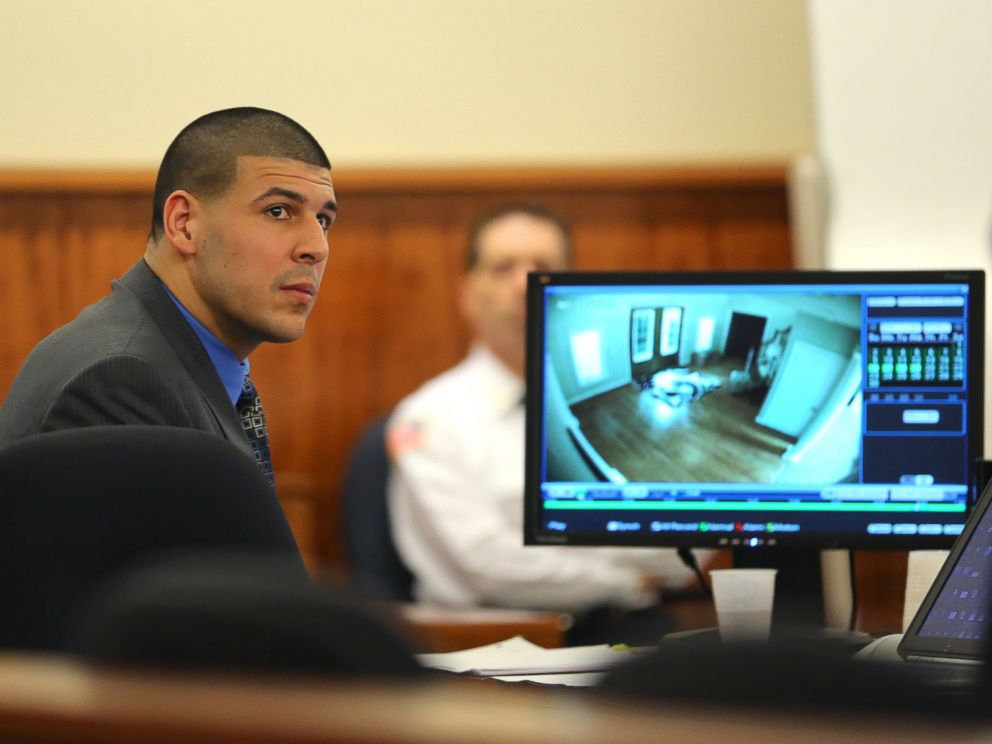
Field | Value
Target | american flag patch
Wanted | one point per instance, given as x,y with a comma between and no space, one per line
404,437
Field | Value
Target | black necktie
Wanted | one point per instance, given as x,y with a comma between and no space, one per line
253,420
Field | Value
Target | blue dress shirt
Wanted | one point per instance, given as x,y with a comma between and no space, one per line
232,371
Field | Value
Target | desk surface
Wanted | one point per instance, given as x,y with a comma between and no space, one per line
437,629
58,700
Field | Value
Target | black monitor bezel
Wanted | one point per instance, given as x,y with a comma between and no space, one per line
537,281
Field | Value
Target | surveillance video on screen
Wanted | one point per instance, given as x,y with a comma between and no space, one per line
712,388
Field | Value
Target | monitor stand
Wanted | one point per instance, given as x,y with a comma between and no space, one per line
798,584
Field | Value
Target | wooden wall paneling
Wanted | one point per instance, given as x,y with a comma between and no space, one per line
614,247
880,578
750,231
60,253
683,244
32,285
387,318
422,327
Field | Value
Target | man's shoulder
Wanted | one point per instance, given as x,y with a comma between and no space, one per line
458,409
115,333
116,324
437,411
452,386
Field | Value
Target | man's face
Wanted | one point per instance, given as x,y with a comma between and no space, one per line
495,291
259,264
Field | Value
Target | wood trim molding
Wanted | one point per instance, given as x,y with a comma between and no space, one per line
580,178
71,180
434,179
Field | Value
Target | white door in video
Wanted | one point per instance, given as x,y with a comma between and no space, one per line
804,381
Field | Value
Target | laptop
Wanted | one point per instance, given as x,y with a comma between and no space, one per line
953,622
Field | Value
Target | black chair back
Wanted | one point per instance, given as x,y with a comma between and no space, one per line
227,612
79,506
376,569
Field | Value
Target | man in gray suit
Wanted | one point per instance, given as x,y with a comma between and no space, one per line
242,205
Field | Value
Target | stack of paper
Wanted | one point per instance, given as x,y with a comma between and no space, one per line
518,660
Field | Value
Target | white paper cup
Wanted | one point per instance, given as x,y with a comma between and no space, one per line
744,598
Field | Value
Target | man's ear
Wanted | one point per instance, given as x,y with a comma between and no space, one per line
179,220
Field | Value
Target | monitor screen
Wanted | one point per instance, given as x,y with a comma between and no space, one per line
830,409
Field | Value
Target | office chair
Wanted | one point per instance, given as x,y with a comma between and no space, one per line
377,571
79,506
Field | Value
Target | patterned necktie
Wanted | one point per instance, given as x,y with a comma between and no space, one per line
253,421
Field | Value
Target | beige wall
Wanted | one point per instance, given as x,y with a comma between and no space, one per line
110,82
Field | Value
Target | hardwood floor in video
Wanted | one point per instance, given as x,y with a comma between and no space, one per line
714,438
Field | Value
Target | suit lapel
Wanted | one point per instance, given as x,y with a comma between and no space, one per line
143,283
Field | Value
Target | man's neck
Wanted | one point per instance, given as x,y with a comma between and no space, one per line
177,280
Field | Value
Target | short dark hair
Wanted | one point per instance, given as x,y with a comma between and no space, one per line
535,211
203,157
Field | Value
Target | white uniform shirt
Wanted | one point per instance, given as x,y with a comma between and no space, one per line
456,504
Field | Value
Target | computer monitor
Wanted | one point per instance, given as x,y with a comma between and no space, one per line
754,410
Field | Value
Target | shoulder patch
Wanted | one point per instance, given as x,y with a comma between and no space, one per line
403,437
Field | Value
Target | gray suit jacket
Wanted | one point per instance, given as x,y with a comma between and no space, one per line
131,358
